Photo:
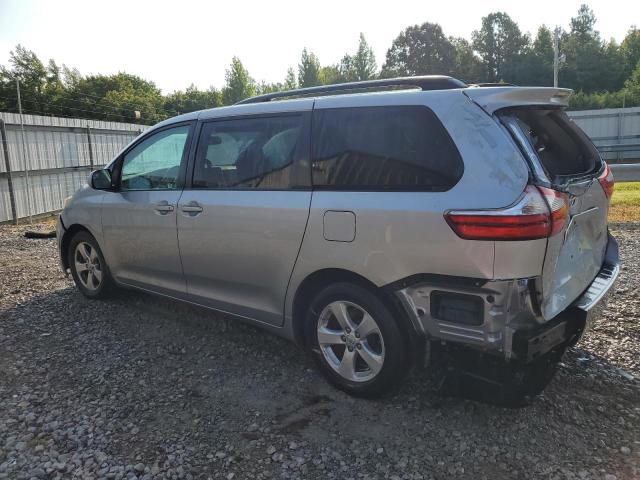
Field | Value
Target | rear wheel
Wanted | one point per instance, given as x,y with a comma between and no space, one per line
88,267
355,340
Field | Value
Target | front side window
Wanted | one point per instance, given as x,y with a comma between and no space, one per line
383,148
247,153
154,163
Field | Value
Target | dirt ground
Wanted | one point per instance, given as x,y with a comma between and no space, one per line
141,387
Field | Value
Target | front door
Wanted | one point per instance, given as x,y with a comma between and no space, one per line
241,223
139,219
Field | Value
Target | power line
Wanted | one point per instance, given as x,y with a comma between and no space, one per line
135,107
61,107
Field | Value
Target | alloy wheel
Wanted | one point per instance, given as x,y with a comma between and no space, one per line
351,341
87,265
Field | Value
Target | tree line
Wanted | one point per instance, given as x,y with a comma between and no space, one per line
602,72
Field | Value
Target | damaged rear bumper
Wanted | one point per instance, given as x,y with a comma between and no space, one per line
502,317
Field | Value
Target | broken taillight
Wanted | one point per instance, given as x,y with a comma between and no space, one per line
540,213
606,180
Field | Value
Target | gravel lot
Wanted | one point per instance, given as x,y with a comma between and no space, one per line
140,387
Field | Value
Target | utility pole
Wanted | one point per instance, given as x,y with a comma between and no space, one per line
556,55
558,58
24,154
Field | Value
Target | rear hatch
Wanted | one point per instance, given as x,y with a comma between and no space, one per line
560,157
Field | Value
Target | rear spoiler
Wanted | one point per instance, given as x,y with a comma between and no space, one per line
496,98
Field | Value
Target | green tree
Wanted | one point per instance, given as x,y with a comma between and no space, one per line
591,64
35,82
362,65
535,65
630,51
331,74
192,100
290,81
309,70
266,87
239,84
500,44
632,88
114,97
467,65
420,50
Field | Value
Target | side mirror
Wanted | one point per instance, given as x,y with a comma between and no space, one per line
101,180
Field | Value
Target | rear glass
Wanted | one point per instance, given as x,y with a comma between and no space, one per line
562,147
383,148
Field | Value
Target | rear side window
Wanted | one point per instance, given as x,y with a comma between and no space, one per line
248,153
562,147
383,148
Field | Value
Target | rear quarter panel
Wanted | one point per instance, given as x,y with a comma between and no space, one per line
399,234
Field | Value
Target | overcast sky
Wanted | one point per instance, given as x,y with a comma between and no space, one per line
181,42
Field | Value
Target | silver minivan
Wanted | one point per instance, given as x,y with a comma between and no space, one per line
374,223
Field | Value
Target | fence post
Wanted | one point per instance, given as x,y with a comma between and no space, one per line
90,147
619,154
24,154
7,164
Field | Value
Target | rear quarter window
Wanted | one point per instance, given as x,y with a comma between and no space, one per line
383,148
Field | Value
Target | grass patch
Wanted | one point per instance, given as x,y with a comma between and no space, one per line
625,204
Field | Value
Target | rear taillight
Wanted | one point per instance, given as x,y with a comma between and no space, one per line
606,180
540,213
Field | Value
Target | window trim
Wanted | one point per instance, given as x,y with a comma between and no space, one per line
180,180
298,165
379,188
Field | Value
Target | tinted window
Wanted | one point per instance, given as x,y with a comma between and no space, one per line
562,147
373,148
247,153
154,163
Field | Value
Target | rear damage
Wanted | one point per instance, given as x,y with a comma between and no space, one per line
512,330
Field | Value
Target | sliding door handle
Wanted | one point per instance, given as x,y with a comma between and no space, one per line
192,209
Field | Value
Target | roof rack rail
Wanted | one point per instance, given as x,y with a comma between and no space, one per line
426,82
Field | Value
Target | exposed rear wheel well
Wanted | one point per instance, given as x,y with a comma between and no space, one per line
66,240
323,278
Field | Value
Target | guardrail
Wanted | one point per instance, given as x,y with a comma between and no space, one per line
626,172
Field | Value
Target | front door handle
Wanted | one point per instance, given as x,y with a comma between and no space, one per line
192,209
163,207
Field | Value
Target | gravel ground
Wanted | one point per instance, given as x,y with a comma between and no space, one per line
141,387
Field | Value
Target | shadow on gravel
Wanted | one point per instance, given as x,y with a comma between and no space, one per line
144,374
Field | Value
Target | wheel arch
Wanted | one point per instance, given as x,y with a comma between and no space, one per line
69,233
325,277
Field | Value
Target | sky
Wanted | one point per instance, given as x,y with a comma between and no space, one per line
178,43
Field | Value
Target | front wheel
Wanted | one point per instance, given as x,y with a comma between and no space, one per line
355,340
88,267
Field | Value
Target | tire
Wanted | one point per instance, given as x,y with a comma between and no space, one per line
88,267
355,341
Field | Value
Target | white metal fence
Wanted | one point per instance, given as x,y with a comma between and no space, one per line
615,131
59,153
57,156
